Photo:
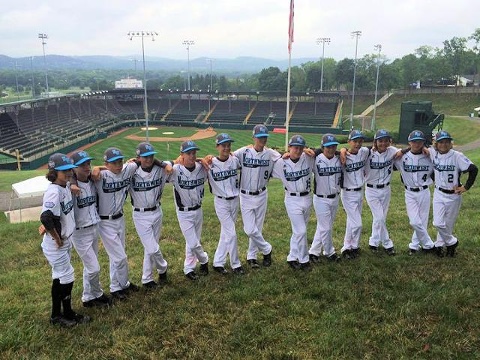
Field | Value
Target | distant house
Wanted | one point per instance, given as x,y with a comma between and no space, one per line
474,80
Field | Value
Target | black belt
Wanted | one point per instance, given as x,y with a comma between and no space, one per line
356,189
226,198
111,217
84,227
417,189
190,208
446,191
381,186
146,209
331,196
303,193
253,192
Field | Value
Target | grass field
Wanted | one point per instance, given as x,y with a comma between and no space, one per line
374,307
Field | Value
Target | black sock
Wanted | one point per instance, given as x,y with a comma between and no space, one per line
56,298
67,300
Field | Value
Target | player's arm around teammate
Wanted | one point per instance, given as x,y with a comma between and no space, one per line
223,179
295,172
448,165
58,219
416,170
188,187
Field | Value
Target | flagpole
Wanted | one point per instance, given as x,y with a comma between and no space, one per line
287,117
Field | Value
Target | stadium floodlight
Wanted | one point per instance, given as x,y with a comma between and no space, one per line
44,37
355,34
188,43
142,34
377,47
210,61
322,41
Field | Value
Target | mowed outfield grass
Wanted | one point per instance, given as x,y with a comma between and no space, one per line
374,307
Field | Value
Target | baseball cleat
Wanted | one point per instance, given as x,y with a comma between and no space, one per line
267,259
119,295
220,270
151,285
334,258
390,251
162,278
305,266
238,271
451,249
294,264
62,322
314,258
439,251
192,276
373,249
348,254
203,269
412,252
101,301
131,288
78,318
253,263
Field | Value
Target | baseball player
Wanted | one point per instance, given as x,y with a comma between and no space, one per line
145,190
257,166
223,179
327,179
448,165
296,175
416,170
85,235
352,192
188,181
59,222
378,175
112,186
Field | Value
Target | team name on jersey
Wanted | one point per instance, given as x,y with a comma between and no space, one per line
329,170
415,168
354,166
439,167
86,201
189,184
66,206
223,175
146,185
380,165
295,175
114,186
254,163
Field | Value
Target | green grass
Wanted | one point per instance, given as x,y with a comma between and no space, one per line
374,307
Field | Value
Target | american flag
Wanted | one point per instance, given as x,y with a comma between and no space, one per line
290,28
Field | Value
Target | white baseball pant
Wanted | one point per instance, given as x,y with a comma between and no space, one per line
59,260
227,211
379,200
353,204
325,211
418,210
445,212
191,225
298,210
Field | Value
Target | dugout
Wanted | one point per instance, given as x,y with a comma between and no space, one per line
418,115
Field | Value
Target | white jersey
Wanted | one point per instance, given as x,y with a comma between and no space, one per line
223,177
379,166
327,175
354,169
416,170
85,205
296,176
188,186
59,201
146,187
112,189
448,167
257,167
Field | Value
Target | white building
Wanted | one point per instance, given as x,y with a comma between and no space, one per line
129,84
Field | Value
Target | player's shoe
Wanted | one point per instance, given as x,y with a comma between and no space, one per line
355,252
238,271
373,249
428,251
294,264
451,249
267,259
348,254
78,318
334,258
314,258
203,269
162,278
192,276
151,285
390,251
62,322
131,288
101,301
305,266
253,263
221,270
412,251
439,251
119,295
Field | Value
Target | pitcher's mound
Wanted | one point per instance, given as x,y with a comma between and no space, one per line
149,128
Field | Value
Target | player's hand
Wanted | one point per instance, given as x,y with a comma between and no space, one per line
398,154
204,163
42,230
168,169
178,160
133,160
75,189
208,159
286,155
309,152
459,190
426,151
95,175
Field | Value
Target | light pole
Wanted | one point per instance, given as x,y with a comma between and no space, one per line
142,34
356,34
322,41
188,43
379,48
44,37
33,78
210,61
16,79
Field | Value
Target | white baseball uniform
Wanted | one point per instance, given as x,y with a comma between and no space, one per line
416,171
85,238
296,178
257,168
188,188
446,204
223,178
59,201
145,190
352,196
327,181
378,175
112,192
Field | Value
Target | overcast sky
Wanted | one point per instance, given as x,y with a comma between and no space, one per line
232,28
